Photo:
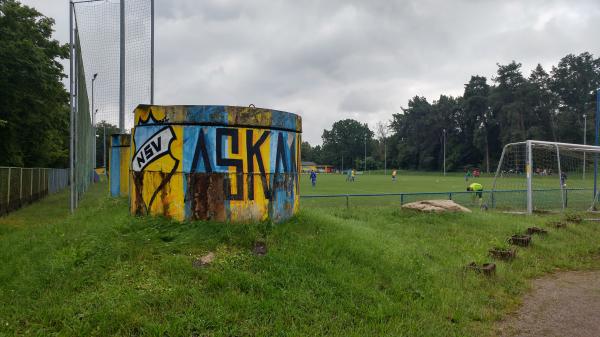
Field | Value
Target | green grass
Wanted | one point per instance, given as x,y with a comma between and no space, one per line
374,271
413,182
406,182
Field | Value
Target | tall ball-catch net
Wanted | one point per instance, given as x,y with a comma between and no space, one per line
544,176
98,26
83,131
97,74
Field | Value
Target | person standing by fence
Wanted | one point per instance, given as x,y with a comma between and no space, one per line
313,178
478,189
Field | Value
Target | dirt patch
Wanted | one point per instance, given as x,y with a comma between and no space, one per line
436,206
204,261
563,304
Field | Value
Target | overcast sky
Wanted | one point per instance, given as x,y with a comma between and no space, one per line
329,60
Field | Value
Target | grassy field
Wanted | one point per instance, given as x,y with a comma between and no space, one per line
406,182
376,271
547,195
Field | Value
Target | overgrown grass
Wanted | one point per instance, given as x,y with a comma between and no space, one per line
328,272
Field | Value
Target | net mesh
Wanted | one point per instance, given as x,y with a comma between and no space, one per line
84,132
97,50
98,24
562,177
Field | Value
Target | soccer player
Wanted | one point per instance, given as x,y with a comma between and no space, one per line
394,175
478,189
353,174
563,179
313,178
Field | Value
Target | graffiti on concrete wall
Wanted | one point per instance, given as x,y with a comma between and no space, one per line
188,169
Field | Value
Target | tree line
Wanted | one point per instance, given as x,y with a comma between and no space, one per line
34,104
511,107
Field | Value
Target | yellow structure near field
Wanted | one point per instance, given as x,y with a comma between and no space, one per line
219,163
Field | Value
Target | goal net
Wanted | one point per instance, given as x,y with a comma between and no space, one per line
545,176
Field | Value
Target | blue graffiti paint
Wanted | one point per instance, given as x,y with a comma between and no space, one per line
191,145
115,166
207,114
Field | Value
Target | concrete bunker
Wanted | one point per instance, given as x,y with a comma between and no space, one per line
222,163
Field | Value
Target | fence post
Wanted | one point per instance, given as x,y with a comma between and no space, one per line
450,196
401,199
347,201
31,187
21,188
8,191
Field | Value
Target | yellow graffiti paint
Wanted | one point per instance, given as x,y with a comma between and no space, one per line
215,163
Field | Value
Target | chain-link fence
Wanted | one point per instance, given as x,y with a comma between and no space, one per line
20,186
502,200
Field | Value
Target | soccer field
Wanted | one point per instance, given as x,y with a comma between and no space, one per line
379,183
421,186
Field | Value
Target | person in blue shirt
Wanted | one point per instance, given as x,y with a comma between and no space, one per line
313,178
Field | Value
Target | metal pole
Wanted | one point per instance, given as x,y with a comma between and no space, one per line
596,142
94,121
562,188
444,152
8,191
498,171
104,148
71,142
365,164
122,69
528,169
584,141
76,144
385,156
151,51
21,187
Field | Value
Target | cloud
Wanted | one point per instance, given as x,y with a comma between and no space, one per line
329,60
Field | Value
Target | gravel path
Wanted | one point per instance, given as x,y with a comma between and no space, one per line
562,304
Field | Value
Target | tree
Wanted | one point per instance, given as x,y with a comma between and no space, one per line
477,110
417,132
345,142
382,134
574,81
100,129
515,108
33,101
508,102
544,105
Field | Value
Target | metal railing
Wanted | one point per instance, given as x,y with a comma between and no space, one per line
20,186
578,198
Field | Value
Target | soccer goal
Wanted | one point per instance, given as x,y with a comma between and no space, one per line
545,176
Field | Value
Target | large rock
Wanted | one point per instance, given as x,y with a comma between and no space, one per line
436,206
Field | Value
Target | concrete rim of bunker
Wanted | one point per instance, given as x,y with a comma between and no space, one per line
244,116
215,162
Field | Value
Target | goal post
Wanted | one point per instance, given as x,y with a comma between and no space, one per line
544,176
